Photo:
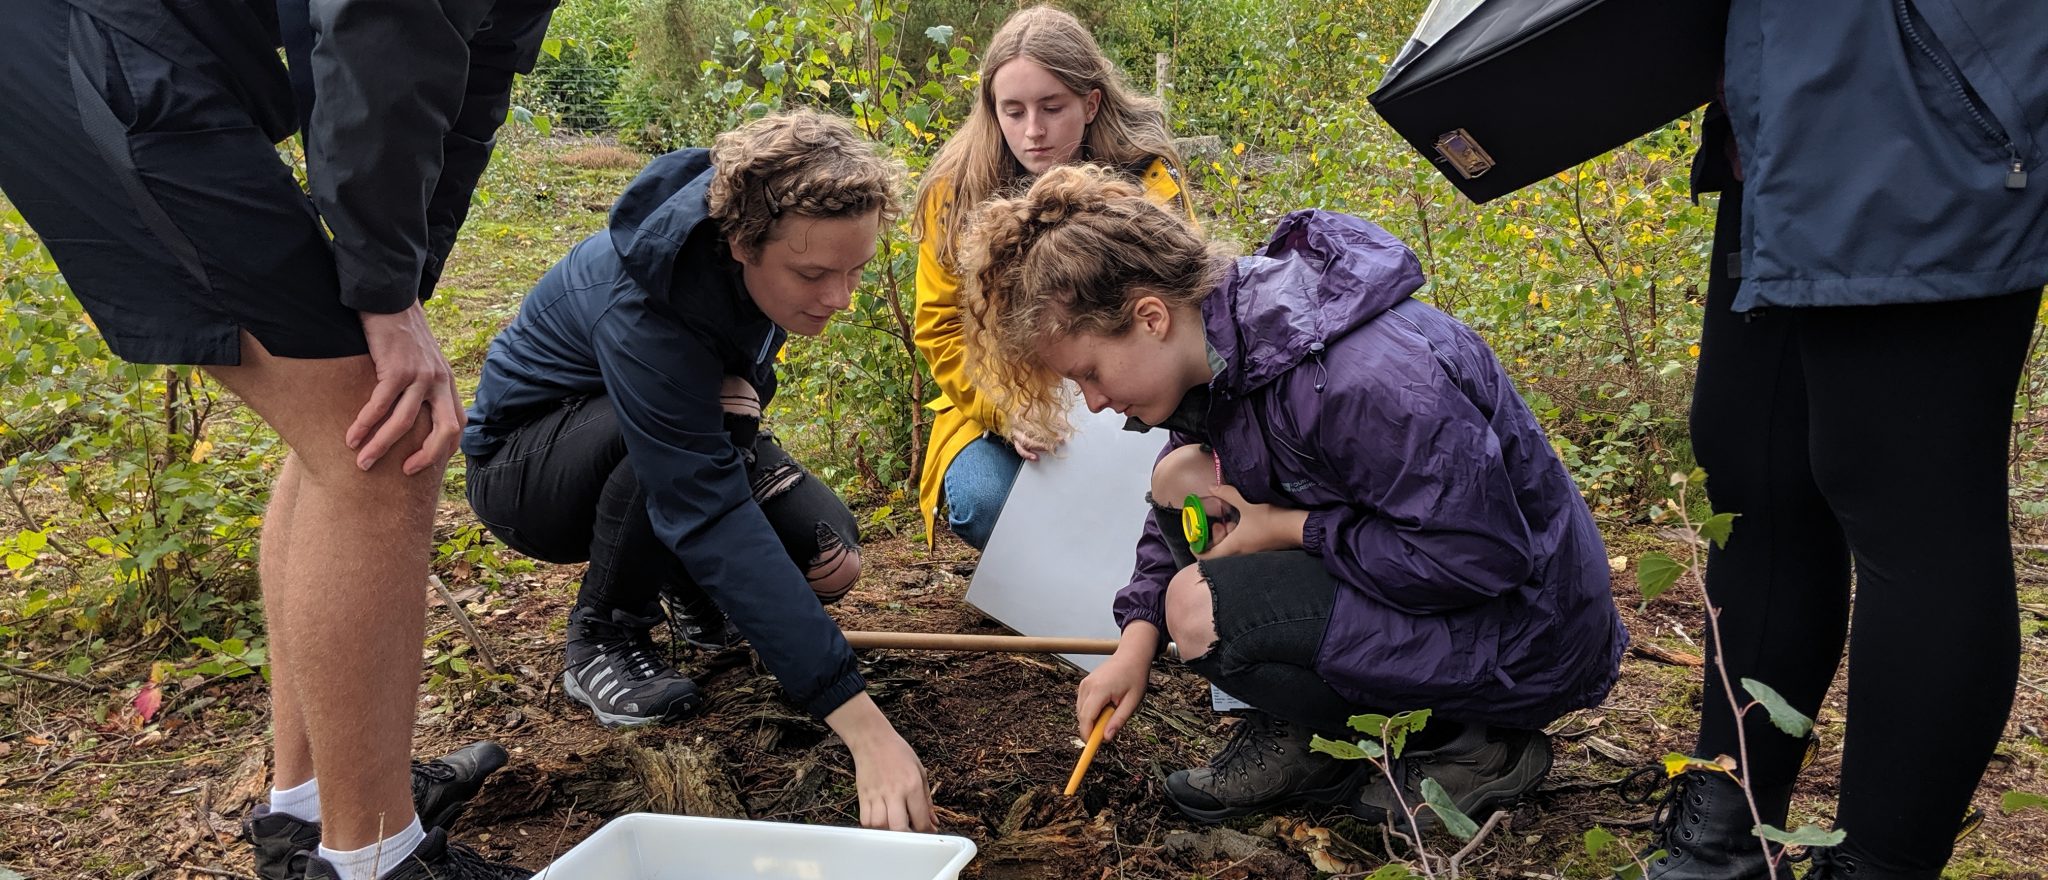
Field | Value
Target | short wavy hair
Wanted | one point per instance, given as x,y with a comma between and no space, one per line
798,162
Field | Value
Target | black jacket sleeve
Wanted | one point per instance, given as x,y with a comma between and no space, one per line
507,44
663,382
389,76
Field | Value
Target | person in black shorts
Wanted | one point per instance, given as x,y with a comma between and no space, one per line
139,143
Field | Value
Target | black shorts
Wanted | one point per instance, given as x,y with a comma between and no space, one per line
1272,610
142,153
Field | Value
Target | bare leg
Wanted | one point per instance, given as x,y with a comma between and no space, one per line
292,760
1190,613
356,548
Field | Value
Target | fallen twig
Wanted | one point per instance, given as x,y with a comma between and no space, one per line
1458,858
476,639
1666,655
55,678
216,872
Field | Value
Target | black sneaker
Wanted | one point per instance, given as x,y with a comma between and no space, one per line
1482,769
1267,763
435,859
695,619
441,790
615,670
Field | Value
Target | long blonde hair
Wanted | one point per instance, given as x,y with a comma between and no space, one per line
1129,129
1069,257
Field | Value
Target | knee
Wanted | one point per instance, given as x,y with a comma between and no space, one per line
974,500
1191,613
742,408
834,572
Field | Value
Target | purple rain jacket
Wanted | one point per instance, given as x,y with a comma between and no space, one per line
1471,579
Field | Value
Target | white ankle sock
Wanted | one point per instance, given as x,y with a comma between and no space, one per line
377,859
301,801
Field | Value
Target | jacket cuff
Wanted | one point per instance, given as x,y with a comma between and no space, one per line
835,695
1314,532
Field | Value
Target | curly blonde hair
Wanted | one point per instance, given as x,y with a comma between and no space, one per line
1129,130
799,162
1069,257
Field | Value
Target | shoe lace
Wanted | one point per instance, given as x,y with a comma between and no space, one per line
632,650
640,658
463,863
1827,862
425,773
1249,742
1653,784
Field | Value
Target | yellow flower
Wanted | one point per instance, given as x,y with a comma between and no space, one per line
1237,150
1693,349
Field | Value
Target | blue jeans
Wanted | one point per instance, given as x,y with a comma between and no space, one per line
977,483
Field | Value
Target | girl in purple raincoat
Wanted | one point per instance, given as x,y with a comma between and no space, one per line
1405,538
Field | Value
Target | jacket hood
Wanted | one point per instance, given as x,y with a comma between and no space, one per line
656,214
1319,276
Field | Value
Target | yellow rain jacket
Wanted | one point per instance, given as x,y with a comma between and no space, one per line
961,413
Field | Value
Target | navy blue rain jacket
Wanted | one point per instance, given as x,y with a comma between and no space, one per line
1893,151
652,314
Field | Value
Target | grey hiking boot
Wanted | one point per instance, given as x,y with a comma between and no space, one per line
1482,769
435,859
1266,764
615,670
441,790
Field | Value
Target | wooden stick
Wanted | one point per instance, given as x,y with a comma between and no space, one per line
55,678
1088,752
994,644
1666,655
476,639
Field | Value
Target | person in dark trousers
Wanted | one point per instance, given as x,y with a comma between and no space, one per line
1876,272
139,144
618,421
1400,534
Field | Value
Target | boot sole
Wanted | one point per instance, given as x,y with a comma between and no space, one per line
1329,795
576,692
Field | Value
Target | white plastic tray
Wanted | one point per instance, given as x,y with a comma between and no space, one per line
648,846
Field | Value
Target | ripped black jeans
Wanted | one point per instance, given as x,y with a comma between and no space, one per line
560,489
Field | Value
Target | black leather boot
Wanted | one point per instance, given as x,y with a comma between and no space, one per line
1706,831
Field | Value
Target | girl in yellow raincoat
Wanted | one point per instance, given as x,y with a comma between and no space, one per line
1048,96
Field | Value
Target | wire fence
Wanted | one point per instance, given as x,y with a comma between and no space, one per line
570,94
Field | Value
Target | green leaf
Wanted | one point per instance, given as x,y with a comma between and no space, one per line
1393,871
17,562
1718,527
1337,748
939,33
1655,573
78,666
31,543
1455,820
2015,801
552,46
1783,715
1598,840
1806,835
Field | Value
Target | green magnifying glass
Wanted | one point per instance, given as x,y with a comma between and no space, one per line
1194,523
